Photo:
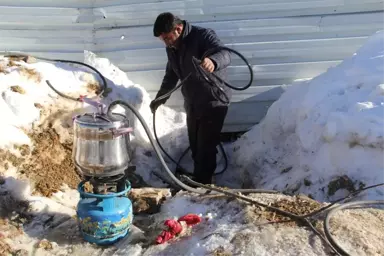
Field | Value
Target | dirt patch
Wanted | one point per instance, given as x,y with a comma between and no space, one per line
7,158
300,205
26,59
12,63
343,182
220,251
44,244
23,149
38,105
10,226
18,89
93,87
31,74
9,229
3,69
50,164
5,248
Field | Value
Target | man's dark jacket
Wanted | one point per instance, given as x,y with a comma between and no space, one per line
195,41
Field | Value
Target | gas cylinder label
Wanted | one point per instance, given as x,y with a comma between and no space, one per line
106,228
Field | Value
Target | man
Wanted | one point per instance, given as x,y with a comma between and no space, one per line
205,113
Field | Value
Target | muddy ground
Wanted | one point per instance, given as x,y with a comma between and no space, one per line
48,164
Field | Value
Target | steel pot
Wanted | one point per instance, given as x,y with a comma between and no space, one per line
101,145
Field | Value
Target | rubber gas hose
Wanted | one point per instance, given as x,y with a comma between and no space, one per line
159,156
100,92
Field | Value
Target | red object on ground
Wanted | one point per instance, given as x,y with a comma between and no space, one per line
190,219
175,228
164,237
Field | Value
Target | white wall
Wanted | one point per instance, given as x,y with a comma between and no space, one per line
46,28
284,40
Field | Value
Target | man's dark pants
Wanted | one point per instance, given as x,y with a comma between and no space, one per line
204,137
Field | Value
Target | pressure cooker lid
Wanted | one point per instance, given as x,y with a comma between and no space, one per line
95,119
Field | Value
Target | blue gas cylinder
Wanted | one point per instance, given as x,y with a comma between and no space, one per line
104,219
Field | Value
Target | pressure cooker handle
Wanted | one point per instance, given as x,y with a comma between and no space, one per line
121,131
95,103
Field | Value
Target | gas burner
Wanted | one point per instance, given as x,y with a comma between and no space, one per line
106,179
106,185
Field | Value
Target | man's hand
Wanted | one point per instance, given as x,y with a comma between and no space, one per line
155,104
208,65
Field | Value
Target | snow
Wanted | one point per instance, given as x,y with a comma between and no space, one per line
19,110
310,136
231,227
321,129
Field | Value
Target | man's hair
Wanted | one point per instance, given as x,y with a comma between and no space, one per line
165,23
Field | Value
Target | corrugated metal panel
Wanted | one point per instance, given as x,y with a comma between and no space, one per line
284,40
55,29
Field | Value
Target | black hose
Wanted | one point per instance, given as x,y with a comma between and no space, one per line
179,168
153,143
208,77
294,217
100,92
352,195
212,51
159,156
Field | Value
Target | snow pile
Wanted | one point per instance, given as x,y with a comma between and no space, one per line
324,136
23,89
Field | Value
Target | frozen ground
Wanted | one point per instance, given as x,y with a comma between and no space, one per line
310,136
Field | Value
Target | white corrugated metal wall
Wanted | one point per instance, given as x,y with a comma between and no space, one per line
47,28
284,40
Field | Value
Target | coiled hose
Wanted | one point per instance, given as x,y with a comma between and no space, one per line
205,189
217,91
331,213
